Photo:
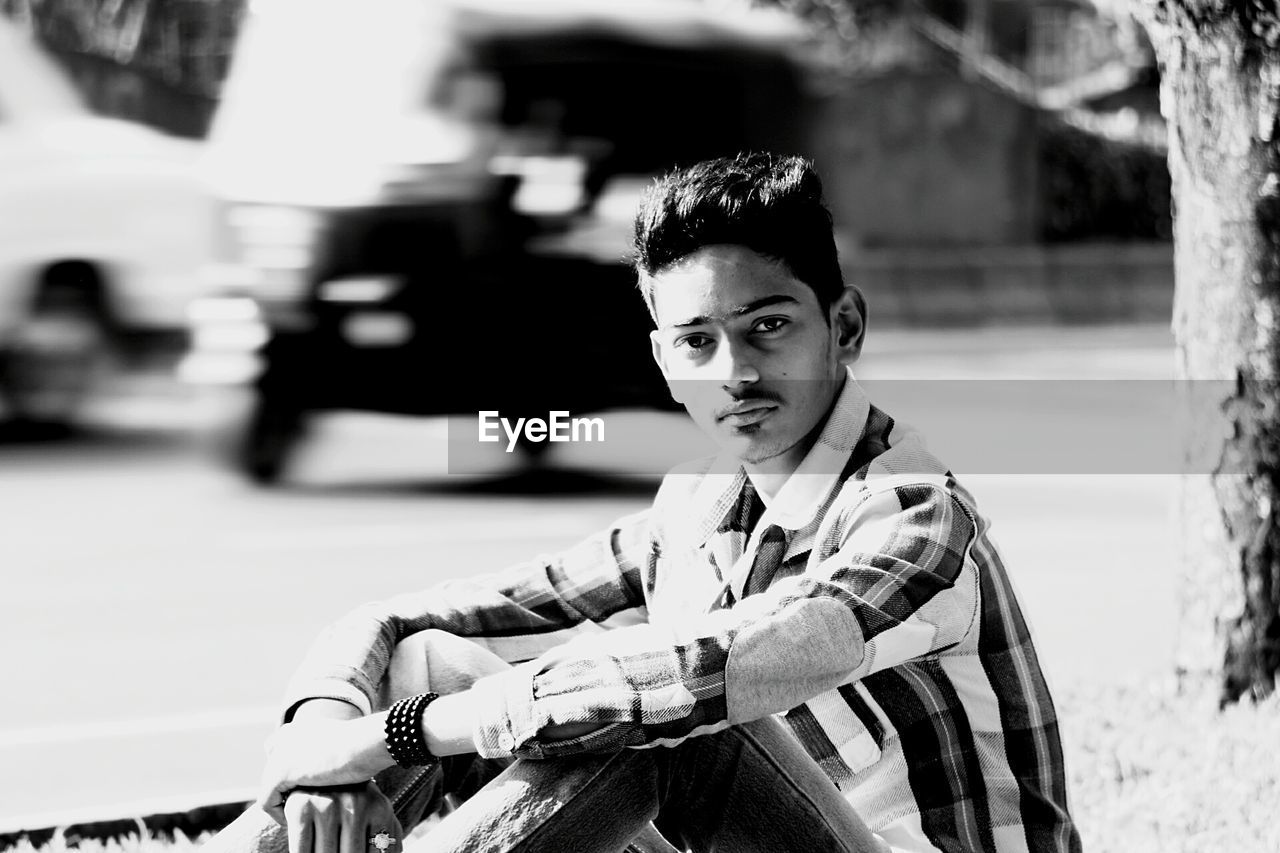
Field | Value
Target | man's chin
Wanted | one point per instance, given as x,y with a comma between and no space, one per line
751,449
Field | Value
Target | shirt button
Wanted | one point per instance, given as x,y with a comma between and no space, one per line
506,742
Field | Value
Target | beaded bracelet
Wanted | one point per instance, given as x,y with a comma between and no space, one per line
403,731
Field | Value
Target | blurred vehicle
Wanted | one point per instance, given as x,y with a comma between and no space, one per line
427,204
104,236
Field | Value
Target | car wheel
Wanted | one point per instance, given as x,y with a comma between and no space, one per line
271,436
55,361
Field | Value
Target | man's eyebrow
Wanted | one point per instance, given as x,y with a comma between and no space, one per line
750,307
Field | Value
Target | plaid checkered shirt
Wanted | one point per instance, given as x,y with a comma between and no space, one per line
866,605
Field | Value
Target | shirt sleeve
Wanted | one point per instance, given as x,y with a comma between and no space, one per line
518,613
899,586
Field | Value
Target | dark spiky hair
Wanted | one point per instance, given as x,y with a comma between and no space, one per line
768,203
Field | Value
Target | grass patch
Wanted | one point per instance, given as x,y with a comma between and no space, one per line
1158,767
1153,767
135,843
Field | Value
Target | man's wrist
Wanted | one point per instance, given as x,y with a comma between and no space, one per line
447,724
371,744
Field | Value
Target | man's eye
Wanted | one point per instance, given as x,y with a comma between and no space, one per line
694,342
772,324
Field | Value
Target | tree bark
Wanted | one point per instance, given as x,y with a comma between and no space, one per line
1220,72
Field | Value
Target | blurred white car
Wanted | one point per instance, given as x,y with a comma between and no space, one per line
104,231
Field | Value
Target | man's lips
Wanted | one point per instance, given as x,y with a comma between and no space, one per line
745,414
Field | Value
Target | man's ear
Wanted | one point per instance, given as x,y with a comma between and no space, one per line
659,356
849,314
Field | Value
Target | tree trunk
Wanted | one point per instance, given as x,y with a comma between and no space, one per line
1220,71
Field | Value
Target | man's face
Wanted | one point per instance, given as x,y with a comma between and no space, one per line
748,350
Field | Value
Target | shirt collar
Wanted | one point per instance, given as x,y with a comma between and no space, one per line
805,491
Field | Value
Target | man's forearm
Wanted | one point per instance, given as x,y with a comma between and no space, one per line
449,721
447,724
349,659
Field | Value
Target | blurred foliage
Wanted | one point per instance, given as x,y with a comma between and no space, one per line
854,37
845,19
160,62
184,43
1092,187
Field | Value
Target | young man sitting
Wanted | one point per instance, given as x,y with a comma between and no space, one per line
808,642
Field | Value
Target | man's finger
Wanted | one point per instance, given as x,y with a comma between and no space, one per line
351,834
326,826
397,832
383,819
301,834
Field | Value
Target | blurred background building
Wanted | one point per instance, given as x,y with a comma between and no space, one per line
1002,161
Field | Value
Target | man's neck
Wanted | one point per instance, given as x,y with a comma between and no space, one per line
770,475
768,482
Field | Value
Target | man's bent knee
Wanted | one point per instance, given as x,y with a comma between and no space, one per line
436,661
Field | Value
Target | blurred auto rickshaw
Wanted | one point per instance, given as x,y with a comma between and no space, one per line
427,204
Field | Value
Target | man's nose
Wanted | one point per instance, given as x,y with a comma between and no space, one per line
737,364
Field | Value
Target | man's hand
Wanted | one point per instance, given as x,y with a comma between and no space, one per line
315,752
339,820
